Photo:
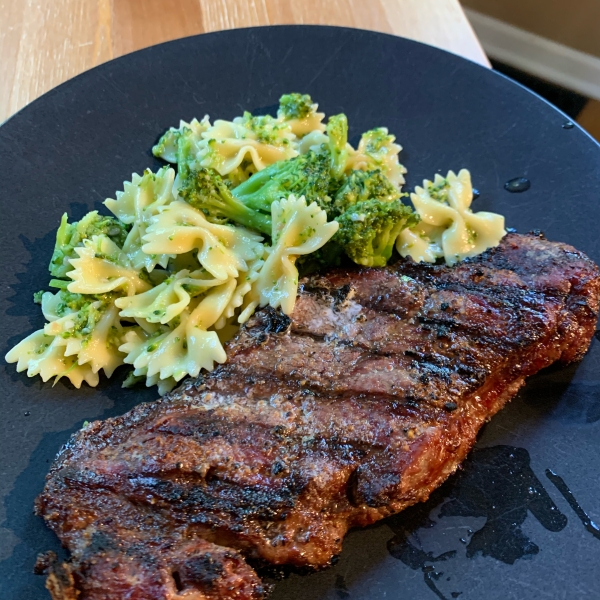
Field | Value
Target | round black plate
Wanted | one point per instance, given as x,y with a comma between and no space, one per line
506,527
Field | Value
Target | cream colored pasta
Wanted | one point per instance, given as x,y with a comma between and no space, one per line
258,140
313,141
377,150
192,132
297,229
223,250
312,122
448,227
102,267
136,205
98,348
169,299
76,344
244,285
187,346
44,355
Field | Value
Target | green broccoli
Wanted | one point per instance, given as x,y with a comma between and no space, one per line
295,106
71,235
369,228
377,150
205,190
323,259
364,185
376,140
268,130
166,147
306,175
169,146
337,130
438,189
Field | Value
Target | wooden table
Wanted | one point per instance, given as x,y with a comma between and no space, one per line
46,42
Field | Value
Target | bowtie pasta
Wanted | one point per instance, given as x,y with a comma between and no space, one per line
81,338
139,201
191,251
298,229
221,249
448,228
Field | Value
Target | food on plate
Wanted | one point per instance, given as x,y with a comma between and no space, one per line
190,254
447,227
354,406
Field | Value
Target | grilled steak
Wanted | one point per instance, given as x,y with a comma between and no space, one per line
355,408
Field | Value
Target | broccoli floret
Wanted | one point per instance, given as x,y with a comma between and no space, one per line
169,147
377,150
166,147
268,130
205,190
306,175
369,228
320,261
295,106
376,140
364,185
337,130
71,235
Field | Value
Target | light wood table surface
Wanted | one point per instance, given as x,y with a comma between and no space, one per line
46,42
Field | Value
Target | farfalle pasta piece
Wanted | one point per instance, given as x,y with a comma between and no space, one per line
257,140
102,267
139,201
71,235
168,147
92,334
186,346
298,229
44,355
448,227
244,286
313,141
169,299
223,250
377,150
51,305
82,338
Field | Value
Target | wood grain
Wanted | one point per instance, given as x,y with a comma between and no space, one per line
46,42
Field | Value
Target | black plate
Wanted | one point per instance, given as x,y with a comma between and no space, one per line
506,527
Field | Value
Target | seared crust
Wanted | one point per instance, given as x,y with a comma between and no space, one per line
357,407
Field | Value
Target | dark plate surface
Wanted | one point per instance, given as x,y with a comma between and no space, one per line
505,528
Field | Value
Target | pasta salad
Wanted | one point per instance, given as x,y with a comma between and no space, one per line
241,210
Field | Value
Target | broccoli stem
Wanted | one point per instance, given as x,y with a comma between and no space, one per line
205,190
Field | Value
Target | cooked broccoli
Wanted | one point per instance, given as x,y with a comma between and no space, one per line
168,146
37,296
369,228
295,106
364,185
337,130
186,154
205,190
306,175
268,130
377,150
376,140
70,235
323,259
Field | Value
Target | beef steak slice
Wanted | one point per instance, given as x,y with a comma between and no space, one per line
360,405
